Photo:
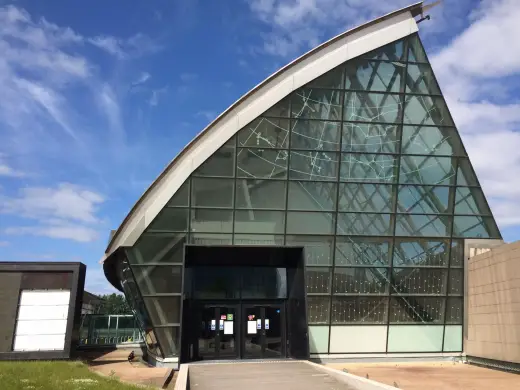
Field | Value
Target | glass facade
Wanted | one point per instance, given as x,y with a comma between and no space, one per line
365,169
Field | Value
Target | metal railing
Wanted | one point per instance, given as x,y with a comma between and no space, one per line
100,329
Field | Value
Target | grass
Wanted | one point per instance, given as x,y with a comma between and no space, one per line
56,375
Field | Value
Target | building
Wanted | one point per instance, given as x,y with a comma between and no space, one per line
91,303
324,214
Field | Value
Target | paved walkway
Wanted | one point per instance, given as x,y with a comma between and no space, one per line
262,376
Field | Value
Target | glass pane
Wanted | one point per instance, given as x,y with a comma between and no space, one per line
318,310
314,196
163,310
427,110
318,280
354,310
264,283
475,227
206,192
409,310
316,104
420,281
369,138
262,163
372,107
169,339
422,225
280,109
427,170
265,133
332,79
159,248
457,253
456,282
317,249
416,51
211,221
361,281
367,167
432,140
362,251
221,163
259,221
364,224
215,282
310,223
258,239
471,201
366,197
465,174
374,75
158,279
181,196
454,310
421,80
314,166
170,220
210,239
393,52
315,135
424,200
421,253
260,194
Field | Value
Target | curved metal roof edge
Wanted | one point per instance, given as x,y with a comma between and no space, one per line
415,9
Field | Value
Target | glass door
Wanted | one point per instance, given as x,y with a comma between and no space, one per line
218,333
263,331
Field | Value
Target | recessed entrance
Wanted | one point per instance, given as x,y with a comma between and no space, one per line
243,303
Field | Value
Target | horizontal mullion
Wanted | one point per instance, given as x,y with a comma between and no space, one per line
364,323
165,232
168,325
211,176
387,266
385,295
155,264
409,295
162,295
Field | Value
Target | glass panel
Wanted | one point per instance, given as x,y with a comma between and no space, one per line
220,163
252,343
211,221
364,224
258,239
181,196
427,110
163,310
465,174
421,253
158,279
210,239
372,107
159,248
264,283
454,310
424,200
369,138
332,79
432,140
362,281
471,201
314,166
206,192
317,104
393,52
427,170
409,310
421,80
169,340
420,281
475,227
374,75
453,338
262,163
310,223
170,220
317,249
416,51
366,197
319,339
265,133
260,194
362,251
422,225
318,310
418,338
215,282
280,109
315,135
318,280
456,281
314,196
457,253
367,167
259,221
354,310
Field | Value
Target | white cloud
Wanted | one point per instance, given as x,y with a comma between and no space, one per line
109,104
156,95
62,231
7,170
208,114
143,78
134,46
96,281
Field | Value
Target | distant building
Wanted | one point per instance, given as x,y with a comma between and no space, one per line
91,303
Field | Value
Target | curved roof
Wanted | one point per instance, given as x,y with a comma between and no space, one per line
348,45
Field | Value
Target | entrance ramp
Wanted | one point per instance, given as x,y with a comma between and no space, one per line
269,375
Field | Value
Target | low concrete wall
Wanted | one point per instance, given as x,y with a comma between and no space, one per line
183,381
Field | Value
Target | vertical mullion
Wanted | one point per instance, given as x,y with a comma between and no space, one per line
288,148
235,186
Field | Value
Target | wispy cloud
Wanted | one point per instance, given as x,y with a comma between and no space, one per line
156,96
135,46
207,114
143,78
7,170
187,77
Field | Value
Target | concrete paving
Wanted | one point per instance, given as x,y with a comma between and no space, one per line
262,376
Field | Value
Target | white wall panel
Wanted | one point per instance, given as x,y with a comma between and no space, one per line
44,298
415,338
39,327
348,339
43,312
39,343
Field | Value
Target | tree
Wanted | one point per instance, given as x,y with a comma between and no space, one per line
114,304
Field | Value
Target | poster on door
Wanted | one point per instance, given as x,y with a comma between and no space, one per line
221,327
251,327
213,324
228,327
266,324
258,324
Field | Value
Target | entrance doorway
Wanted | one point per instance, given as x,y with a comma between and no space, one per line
263,331
218,334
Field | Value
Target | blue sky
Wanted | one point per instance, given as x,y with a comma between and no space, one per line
97,97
